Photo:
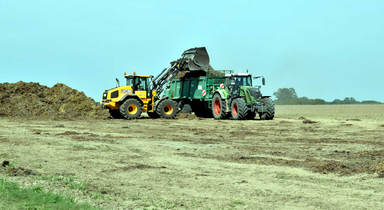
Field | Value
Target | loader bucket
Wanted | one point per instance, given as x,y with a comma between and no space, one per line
196,58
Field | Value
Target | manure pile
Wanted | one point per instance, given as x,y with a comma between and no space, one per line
33,100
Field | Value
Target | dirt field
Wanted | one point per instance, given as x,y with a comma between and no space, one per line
309,157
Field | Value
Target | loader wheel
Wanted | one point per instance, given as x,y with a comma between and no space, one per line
269,113
167,109
131,109
115,114
239,109
218,107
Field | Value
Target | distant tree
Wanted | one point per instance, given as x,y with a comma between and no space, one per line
289,96
370,102
350,100
286,96
318,101
337,101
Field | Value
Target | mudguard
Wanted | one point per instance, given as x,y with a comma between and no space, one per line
223,93
127,96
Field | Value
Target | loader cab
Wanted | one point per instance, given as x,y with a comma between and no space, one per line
139,84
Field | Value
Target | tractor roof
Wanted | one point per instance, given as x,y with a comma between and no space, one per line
238,74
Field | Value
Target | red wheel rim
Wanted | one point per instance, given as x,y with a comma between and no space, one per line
234,110
217,106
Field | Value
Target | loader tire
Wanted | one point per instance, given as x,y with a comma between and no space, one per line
131,109
269,113
239,109
218,107
115,114
167,109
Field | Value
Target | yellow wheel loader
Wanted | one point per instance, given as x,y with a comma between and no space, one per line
142,93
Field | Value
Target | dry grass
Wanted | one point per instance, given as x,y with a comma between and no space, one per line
334,163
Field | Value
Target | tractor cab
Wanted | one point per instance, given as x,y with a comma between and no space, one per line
237,81
241,85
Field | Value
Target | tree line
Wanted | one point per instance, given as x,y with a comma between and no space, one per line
289,96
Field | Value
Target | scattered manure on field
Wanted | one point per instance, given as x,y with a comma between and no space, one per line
346,124
35,101
307,121
314,165
379,169
331,166
15,171
3,140
135,167
353,120
182,115
68,133
285,122
5,163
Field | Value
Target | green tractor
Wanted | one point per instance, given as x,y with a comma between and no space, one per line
238,99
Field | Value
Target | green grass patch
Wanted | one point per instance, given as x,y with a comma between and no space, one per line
14,197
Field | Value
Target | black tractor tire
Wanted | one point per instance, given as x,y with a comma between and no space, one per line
153,115
218,107
187,108
269,112
115,114
239,109
131,109
167,109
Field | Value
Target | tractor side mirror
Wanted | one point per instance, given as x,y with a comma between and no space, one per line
263,81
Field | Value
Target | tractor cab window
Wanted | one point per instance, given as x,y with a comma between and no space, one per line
243,81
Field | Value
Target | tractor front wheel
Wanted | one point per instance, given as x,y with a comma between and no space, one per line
218,107
239,109
269,113
167,109
131,109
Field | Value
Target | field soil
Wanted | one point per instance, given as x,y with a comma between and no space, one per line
308,157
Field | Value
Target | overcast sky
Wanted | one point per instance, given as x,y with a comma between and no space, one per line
323,48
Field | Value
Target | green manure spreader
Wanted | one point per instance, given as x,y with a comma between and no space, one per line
220,94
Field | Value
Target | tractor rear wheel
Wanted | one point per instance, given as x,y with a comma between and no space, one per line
269,112
115,114
131,109
239,109
218,107
167,109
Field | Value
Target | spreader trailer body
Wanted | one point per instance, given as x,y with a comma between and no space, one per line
221,96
